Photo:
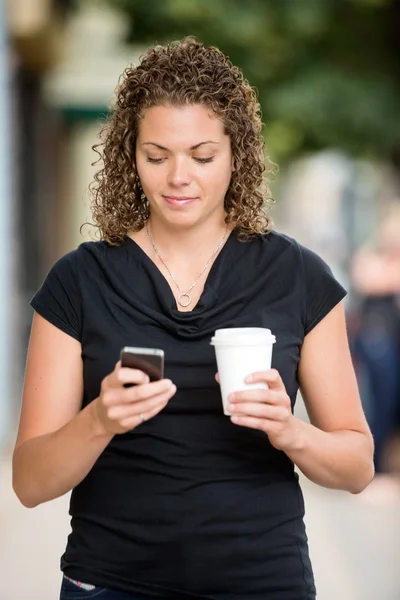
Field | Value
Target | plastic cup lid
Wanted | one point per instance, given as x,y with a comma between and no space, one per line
238,336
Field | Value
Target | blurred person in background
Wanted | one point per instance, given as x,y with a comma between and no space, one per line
171,498
376,279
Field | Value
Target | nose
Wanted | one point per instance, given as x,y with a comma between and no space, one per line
179,172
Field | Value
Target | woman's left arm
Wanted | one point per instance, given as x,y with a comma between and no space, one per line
335,450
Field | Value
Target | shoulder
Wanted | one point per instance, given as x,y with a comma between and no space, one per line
97,248
64,266
277,245
293,251
66,269
277,240
85,253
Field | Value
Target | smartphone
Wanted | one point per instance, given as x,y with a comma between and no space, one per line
148,360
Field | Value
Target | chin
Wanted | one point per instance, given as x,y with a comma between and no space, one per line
181,218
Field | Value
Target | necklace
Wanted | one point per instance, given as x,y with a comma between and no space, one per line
185,298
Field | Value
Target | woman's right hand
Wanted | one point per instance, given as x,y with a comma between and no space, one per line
120,409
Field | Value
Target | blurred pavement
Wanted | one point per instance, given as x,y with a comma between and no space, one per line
355,547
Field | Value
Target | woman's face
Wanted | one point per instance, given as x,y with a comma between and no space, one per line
184,162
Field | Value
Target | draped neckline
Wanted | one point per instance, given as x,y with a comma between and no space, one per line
208,293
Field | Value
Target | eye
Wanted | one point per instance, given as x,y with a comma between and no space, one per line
204,160
154,161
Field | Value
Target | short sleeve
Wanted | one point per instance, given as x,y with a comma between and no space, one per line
58,300
321,290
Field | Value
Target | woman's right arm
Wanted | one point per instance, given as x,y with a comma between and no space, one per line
57,442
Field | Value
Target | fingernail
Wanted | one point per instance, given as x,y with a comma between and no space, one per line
231,407
169,383
231,397
248,379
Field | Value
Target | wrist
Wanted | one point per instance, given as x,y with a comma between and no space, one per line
297,440
97,424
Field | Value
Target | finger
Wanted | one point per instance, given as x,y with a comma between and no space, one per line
127,411
217,378
271,377
125,375
259,410
118,396
147,390
133,421
266,395
250,422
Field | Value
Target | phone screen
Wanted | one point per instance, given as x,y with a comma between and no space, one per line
148,360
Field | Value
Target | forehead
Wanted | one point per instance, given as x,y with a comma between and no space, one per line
185,125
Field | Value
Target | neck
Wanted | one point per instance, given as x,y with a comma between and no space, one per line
177,243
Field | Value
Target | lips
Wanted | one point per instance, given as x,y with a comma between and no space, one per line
179,200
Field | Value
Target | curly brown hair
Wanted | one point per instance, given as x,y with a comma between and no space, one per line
184,72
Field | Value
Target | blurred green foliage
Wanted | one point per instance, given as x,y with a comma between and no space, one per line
327,71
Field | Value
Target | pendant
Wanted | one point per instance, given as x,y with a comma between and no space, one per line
182,301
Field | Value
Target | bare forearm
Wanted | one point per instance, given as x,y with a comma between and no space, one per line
337,459
51,465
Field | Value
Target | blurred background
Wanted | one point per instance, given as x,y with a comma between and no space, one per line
328,75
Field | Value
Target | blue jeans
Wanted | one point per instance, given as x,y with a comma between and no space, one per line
71,591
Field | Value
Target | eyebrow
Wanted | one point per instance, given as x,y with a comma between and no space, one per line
191,147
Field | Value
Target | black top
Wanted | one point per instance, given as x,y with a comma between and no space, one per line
189,505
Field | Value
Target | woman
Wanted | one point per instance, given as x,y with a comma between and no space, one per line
170,498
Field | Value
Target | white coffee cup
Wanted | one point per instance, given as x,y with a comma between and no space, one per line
239,352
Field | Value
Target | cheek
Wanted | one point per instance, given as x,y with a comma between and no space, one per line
221,178
149,176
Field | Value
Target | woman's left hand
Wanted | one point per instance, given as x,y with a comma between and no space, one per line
268,410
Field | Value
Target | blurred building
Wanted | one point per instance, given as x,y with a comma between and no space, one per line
332,203
6,233
61,62
81,88
31,43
